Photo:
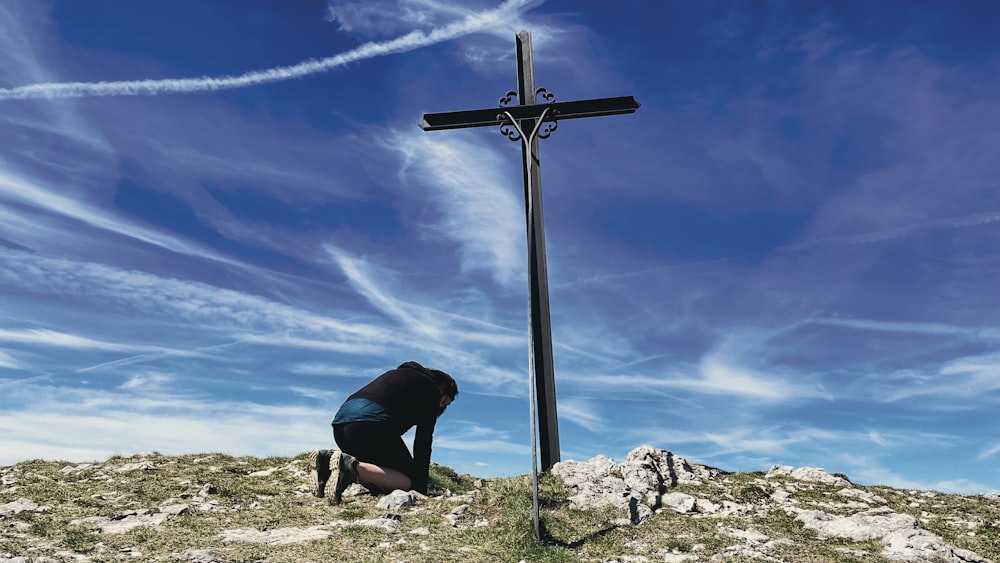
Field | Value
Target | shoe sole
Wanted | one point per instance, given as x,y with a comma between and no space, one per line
334,487
319,466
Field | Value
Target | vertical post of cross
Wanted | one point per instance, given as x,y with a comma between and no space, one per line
527,122
541,324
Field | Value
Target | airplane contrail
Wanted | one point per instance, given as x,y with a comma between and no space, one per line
408,42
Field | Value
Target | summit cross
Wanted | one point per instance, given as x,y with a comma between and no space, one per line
527,122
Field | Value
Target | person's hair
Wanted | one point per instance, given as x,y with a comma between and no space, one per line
445,382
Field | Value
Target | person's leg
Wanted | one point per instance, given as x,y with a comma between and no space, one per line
378,478
384,462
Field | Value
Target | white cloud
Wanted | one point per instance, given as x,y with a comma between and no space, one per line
712,376
413,40
360,275
329,397
8,361
377,18
877,475
877,438
45,337
317,342
774,441
437,334
744,441
149,382
970,377
984,370
989,452
472,437
581,412
21,27
916,328
52,423
473,188
202,304
379,286
53,201
720,377
326,369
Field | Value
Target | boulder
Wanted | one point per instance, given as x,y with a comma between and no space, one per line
636,486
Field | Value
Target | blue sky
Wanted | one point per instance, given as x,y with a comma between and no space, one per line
218,219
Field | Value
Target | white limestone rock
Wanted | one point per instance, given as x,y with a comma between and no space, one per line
857,527
863,496
750,536
21,505
807,474
137,466
637,485
921,545
277,536
386,523
680,503
396,500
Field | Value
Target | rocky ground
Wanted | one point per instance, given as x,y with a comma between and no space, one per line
653,506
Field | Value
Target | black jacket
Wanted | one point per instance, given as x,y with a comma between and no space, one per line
411,396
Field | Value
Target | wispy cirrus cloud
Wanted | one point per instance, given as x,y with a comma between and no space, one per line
949,386
582,412
379,18
719,377
771,441
8,361
373,18
989,452
360,276
911,327
868,471
458,340
208,306
57,339
712,376
31,192
473,437
473,188
52,423
414,40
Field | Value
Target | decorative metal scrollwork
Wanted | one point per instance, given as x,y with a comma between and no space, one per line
545,126
510,130
549,126
507,98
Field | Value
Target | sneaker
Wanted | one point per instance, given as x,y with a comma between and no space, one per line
343,472
319,469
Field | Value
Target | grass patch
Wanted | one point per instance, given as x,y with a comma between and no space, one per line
271,494
444,480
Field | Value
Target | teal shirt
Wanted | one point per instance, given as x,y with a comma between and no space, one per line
360,410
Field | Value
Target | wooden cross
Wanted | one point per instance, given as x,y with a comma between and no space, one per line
527,122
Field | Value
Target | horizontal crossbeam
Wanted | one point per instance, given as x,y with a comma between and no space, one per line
557,110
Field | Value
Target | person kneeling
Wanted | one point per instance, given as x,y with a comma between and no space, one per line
369,427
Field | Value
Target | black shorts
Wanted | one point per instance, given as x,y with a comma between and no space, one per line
375,442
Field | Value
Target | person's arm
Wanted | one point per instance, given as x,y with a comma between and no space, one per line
422,456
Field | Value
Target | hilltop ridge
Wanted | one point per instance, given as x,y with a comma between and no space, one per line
653,506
